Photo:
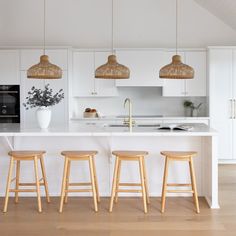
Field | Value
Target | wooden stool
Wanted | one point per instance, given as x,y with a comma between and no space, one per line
19,156
79,156
179,156
129,156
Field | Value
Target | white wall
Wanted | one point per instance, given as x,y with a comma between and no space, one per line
146,101
86,23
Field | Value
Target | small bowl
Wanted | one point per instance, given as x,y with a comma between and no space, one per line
90,114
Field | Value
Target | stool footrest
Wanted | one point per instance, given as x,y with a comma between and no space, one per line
179,191
179,185
30,184
78,190
128,191
22,190
80,184
129,184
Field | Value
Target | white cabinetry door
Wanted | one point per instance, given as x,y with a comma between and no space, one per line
173,87
196,86
84,82
83,74
104,87
221,89
9,67
59,111
144,68
234,101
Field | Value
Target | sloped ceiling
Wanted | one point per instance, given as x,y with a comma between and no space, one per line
223,9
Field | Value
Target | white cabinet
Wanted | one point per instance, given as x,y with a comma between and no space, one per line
30,57
104,87
195,87
222,99
9,67
144,67
173,87
84,83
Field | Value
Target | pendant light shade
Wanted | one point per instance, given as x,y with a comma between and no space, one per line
176,70
112,70
44,70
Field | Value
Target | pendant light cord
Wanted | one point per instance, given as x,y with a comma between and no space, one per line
112,26
176,29
44,25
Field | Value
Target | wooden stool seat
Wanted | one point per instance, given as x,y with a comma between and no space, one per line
179,156
79,156
19,156
26,154
129,156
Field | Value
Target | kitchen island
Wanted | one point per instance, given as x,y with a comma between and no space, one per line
104,139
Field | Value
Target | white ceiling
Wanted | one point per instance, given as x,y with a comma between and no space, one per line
223,9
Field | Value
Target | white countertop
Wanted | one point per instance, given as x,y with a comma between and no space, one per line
104,118
100,130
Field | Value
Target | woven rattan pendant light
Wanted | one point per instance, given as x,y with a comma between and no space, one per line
44,69
112,69
176,69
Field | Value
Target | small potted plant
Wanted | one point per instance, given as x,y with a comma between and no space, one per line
191,109
43,100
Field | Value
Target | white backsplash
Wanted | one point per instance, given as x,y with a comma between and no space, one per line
146,101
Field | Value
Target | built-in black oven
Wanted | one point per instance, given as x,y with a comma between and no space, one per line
9,104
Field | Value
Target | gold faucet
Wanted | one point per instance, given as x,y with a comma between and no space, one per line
130,122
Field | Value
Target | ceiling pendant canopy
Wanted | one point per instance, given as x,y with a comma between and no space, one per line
44,69
176,69
112,69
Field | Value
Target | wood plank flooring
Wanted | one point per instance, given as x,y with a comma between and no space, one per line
78,217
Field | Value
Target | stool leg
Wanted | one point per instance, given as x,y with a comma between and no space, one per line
17,180
194,187
145,180
93,183
118,180
143,184
37,183
63,184
114,184
165,176
45,182
96,180
8,184
67,182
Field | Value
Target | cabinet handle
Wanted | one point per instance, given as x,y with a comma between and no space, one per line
234,108
231,109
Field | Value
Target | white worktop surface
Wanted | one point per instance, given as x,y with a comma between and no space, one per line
75,129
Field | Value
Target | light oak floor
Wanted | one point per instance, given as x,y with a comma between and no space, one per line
127,218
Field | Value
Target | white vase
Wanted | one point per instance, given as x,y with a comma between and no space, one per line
44,117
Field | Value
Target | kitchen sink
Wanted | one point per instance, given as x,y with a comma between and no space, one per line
116,125
149,125
139,125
